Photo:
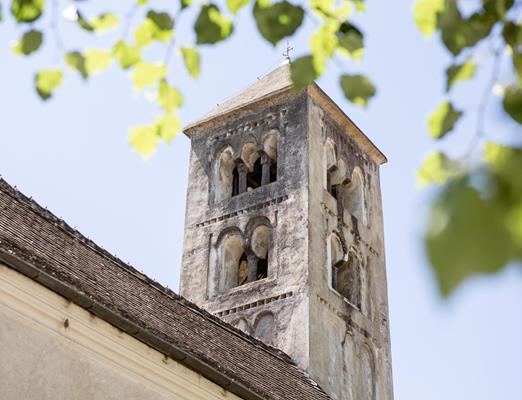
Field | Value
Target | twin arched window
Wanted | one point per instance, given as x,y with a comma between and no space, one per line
254,167
346,272
243,261
346,188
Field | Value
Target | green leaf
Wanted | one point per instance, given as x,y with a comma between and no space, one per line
168,127
276,21
458,32
76,61
126,55
144,139
152,28
359,5
105,22
323,43
358,89
29,43
27,10
425,15
147,74
459,72
235,5
185,3
97,60
513,102
443,119
303,72
162,20
142,2
211,26
191,59
466,236
169,97
46,81
498,8
351,39
437,169
512,34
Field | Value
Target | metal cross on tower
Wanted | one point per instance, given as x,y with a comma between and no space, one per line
287,50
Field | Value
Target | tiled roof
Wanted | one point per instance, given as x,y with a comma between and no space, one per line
46,249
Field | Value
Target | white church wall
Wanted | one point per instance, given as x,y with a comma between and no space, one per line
52,349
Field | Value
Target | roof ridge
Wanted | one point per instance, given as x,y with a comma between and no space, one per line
41,211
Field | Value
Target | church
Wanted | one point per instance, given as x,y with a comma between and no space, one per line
283,291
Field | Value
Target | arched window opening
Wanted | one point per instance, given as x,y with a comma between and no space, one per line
264,328
231,253
261,268
243,269
273,171
346,280
235,181
353,197
260,242
255,177
224,175
270,149
330,185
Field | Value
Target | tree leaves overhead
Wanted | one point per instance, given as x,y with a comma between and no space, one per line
358,89
76,61
98,24
459,72
168,127
156,26
96,60
443,120
323,44
351,39
29,42
191,59
144,139
303,72
276,21
27,10
425,15
466,235
169,97
437,169
513,102
46,81
235,5
126,55
212,26
147,74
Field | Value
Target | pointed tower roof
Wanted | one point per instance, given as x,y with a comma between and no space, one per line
276,82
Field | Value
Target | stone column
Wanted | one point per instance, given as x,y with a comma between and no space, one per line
242,169
252,267
265,162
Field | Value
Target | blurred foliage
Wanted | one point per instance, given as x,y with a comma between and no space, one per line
475,225
476,220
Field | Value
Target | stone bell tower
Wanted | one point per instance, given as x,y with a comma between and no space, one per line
284,233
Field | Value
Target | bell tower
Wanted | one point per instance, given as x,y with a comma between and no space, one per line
284,233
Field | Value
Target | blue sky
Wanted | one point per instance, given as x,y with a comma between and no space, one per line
71,154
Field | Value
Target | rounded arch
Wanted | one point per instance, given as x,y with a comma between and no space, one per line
260,241
255,222
340,174
231,230
224,173
353,196
231,251
249,154
336,250
330,158
264,327
242,325
270,144
368,384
